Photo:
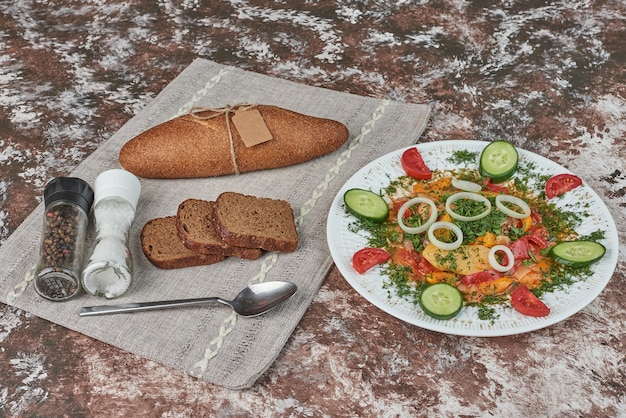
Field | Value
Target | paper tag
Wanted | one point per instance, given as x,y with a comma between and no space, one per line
251,127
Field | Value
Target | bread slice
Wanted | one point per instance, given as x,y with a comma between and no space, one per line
255,222
191,147
163,248
194,222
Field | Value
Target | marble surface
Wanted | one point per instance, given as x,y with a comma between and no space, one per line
549,76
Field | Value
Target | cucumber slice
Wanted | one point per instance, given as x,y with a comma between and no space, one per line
441,301
367,205
577,253
498,161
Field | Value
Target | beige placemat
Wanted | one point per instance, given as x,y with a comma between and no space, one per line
213,343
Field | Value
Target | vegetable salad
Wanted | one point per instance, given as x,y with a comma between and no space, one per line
437,234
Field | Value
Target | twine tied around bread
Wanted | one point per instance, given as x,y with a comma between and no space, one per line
226,111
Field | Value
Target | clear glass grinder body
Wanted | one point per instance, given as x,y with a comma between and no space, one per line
68,201
108,271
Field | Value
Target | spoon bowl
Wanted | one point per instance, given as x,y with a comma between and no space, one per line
253,300
259,298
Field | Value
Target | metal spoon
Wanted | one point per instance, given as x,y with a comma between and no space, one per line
253,300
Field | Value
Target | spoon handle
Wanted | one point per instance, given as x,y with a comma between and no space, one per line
148,306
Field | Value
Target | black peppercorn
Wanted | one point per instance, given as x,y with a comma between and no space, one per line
68,201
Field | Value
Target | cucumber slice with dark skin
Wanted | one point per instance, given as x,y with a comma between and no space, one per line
577,253
366,205
441,301
498,161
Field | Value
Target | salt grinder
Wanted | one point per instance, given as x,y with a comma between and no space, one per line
109,269
68,201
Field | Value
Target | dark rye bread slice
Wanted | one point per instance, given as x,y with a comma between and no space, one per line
255,222
163,248
194,222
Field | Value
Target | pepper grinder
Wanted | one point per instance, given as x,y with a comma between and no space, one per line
109,269
68,201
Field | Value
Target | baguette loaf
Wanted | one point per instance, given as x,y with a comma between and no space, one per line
192,147
255,222
194,221
163,248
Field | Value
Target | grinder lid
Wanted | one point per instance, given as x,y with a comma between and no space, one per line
71,189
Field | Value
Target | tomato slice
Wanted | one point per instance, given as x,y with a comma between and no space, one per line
367,258
531,243
414,166
520,249
526,303
495,188
480,277
413,259
561,183
538,236
396,208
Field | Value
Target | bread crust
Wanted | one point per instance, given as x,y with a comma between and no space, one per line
255,222
191,147
199,235
163,248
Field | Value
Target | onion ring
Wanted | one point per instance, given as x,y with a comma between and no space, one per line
514,200
509,256
470,196
445,245
467,186
417,229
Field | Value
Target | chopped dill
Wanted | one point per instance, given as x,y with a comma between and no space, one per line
469,207
528,173
398,281
467,174
463,157
417,240
488,313
474,229
594,236
486,307
562,277
558,222
402,182
378,233
449,260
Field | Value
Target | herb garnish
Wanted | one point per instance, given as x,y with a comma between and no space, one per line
463,157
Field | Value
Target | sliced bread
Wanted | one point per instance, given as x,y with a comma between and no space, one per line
194,222
255,222
163,248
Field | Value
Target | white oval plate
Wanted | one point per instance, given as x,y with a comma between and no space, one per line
563,303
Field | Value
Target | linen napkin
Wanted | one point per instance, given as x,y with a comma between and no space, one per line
213,343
